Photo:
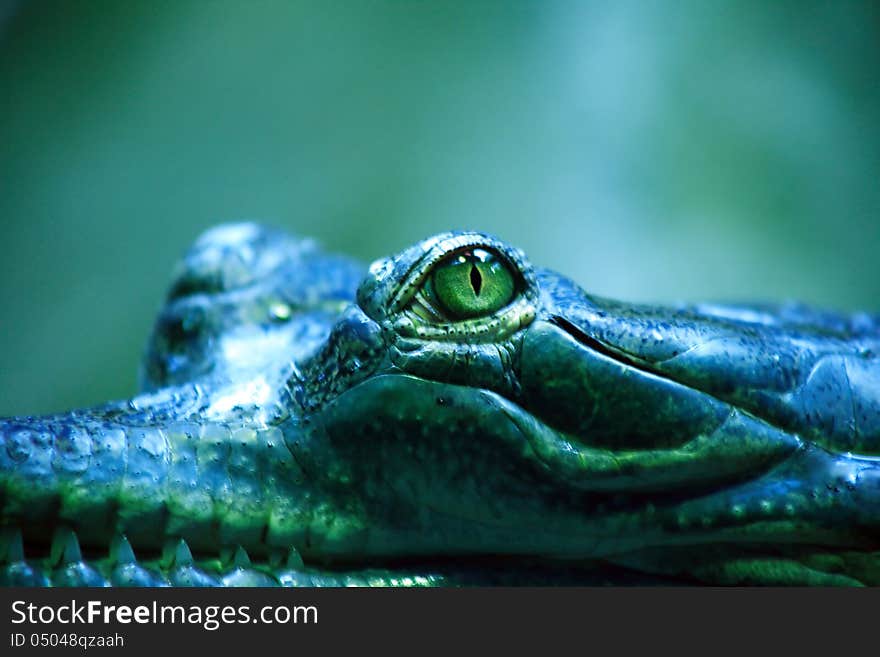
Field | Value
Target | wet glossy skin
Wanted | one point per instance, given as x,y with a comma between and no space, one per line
454,416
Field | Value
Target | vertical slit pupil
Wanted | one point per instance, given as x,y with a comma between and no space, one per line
476,279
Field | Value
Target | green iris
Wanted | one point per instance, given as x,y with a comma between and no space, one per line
472,283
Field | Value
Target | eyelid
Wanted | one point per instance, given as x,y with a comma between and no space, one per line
423,304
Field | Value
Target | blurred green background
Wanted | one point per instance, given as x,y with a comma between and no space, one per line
652,151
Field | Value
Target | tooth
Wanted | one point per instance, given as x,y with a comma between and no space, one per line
120,550
241,558
11,546
294,559
176,553
126,571
182,554
65,547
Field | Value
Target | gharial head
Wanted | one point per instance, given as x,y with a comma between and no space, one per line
471,404
463,405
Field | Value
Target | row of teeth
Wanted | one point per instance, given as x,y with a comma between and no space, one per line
177,562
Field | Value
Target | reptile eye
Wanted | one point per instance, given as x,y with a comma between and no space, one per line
463,287
471,283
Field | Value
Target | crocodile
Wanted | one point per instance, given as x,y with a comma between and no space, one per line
453,415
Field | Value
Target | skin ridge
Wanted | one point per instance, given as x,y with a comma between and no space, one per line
782,372
300,424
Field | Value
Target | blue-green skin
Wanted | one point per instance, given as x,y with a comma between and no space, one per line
301,425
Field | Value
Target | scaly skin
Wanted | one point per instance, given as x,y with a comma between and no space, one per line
304,422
